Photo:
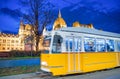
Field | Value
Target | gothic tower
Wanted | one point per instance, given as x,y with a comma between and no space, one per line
21,29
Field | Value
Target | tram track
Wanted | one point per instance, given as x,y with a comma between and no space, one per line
41,75
101,74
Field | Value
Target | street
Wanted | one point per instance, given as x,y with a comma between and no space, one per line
104,74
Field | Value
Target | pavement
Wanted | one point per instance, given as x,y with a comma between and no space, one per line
104,74
20,76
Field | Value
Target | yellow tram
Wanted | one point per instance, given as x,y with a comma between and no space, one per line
78,50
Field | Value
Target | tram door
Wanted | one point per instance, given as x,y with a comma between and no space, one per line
73,49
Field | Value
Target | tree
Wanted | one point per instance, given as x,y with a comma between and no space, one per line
38,16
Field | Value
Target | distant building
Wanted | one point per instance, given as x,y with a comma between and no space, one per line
77,24
10,42
22,41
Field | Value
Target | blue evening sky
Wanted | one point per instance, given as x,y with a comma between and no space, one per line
103,14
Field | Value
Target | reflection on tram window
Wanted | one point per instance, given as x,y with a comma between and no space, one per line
46,44
66,43
73,45
118,46
100,45
110,45
89,44
57,42
77,44
69,44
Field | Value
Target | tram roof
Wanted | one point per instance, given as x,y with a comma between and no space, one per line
89,31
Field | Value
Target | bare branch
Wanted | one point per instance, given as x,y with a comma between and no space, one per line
38,9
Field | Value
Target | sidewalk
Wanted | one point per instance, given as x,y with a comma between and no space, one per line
19,76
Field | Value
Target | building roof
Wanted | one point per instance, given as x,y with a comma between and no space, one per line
8,35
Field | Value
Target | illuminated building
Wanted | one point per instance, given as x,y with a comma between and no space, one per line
59,22
77,24
10,42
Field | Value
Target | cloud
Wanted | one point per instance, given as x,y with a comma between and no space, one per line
104,6
9,4
12,13
86,14
8,23
59,4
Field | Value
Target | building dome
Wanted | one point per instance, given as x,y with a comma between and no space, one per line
59,22
76,24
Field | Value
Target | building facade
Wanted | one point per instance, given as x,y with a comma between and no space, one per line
9,42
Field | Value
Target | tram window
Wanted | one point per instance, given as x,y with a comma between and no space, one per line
77,44
69,44
66,42
110,45
57,41
100,45
118,45
73,44
89,44
46,44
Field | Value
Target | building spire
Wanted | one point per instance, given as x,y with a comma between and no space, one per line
59,15
21,22
21,25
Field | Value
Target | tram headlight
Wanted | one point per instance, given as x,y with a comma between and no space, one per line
44,63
